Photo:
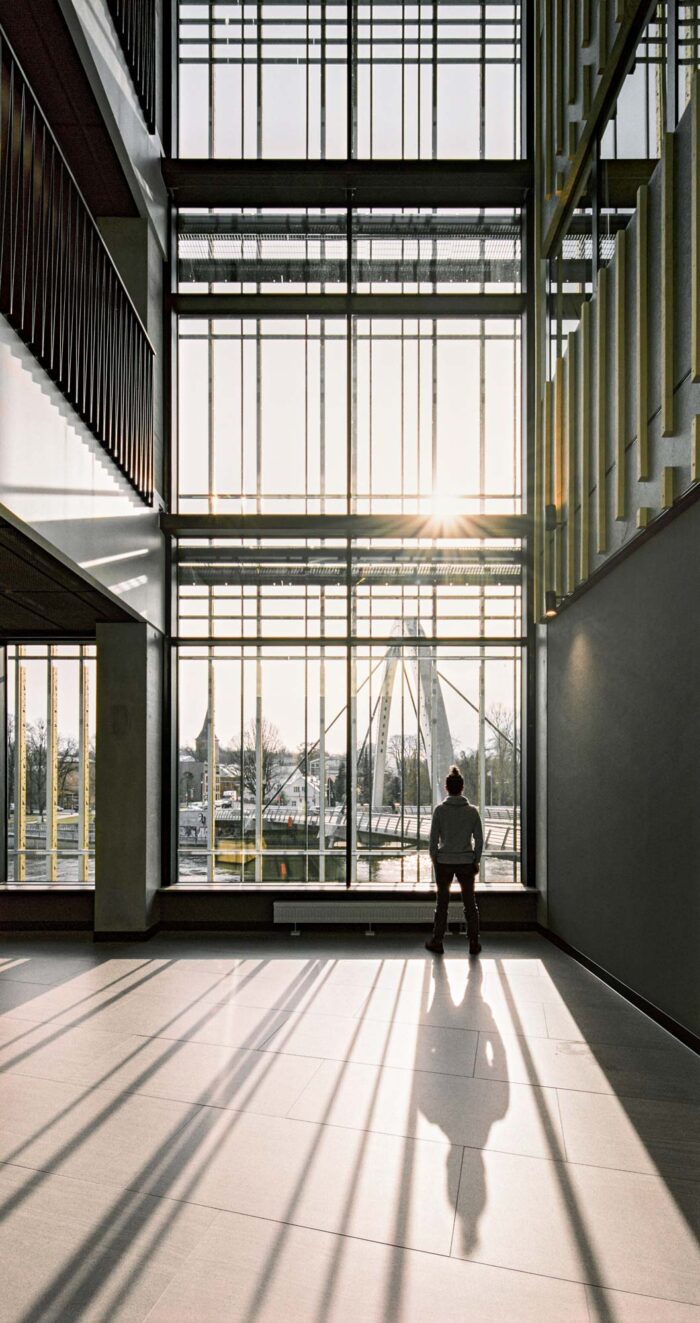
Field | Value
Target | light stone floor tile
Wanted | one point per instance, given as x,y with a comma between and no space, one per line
378,1187
95,1253
542,989
284,972
49,969
204,1073
474,1008
20,995
417,971
316,996
377,1043
206,1022
672,1072
512,1118
91,1134
615,1023
634,1134
57,1052
180,990
86,995
621,1307
82,997
618,1229
250,1271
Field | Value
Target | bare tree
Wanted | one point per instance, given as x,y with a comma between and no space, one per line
11,757
406,768
35,762
36,753
502,761
272,749
67,758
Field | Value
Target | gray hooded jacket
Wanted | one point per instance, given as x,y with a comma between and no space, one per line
455,822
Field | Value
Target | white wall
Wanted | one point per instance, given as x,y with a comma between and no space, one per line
55,476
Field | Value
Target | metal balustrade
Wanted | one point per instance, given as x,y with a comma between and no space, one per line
60,290
135,22
501,825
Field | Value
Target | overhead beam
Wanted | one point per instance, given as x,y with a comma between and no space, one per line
393,559
226,183
460,575
344,305
345,526
370,270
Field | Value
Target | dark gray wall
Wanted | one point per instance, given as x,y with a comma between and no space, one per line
623,771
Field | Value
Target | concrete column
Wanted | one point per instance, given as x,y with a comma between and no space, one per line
3,764
128,779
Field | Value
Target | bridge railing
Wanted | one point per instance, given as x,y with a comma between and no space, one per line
501,831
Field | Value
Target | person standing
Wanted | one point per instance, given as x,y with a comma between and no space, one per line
456,843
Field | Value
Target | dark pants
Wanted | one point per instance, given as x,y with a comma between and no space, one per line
466,877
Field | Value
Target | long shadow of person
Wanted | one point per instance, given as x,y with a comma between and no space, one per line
463,1107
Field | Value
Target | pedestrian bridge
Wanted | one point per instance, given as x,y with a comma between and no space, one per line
501,830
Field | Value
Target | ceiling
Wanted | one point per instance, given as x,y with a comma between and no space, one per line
41,599
44,47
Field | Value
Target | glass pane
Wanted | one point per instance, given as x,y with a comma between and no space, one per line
438,80
266,727
420,707
281,770
50,763
262,416
435,429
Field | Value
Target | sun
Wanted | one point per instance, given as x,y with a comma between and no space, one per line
444,506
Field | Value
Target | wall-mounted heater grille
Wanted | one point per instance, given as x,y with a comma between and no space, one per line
369,912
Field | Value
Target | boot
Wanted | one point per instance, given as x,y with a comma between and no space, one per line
435,945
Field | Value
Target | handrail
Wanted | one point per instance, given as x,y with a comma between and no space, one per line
135,23
60,290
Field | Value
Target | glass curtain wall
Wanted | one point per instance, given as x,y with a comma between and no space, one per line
338,682
50,763
324,80
327,683
329,670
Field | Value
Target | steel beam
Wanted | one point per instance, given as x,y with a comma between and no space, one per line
84,770
51,767
365,183
585,428
620,360
601,403
345,526
667,285
695,230
642,300
20,785
570,386
348,305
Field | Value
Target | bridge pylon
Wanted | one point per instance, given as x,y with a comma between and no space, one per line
434,737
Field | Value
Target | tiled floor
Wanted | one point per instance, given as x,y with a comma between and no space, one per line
339,1130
